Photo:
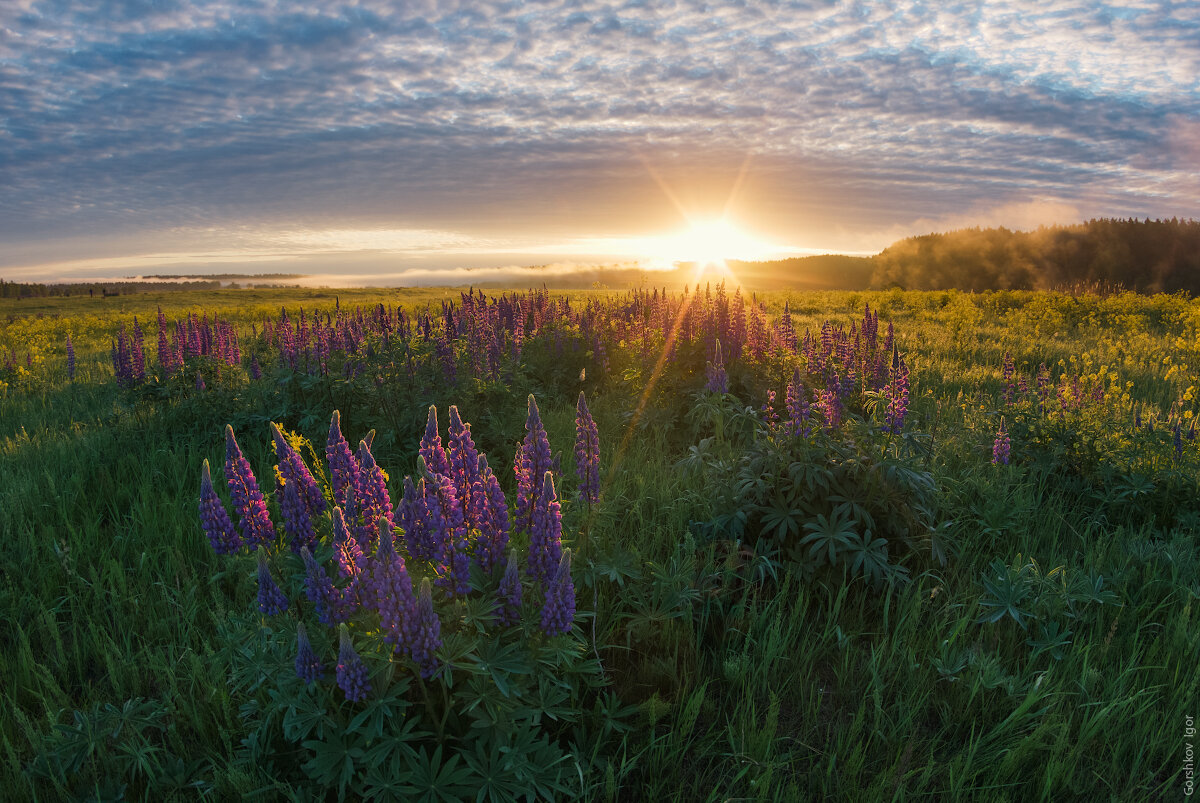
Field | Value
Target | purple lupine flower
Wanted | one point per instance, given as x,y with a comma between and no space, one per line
531,462
897,395
214,518
321,592
70,359
413,517
296,521
796,403
558,613
352,674
1043,386
346,550
428,637
493,536
255,368
253,518
1001,447
431,446
271,600
463,460
587,453
391,592
200,382
718,380
770,416
545,536
294,472
508,606
308,665
371,498
137,357
343,468
448,533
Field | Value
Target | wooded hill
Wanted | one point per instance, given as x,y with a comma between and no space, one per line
1148,256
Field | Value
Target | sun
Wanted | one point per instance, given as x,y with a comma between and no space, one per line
711,241
708,242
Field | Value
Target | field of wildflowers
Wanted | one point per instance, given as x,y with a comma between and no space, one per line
448,545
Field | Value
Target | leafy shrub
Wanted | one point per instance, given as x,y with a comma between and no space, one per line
830,501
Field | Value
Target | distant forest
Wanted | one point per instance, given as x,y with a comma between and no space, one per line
1147,256
32,290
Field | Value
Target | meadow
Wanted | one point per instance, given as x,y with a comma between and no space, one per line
862,545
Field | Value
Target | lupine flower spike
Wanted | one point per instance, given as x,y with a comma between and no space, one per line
718,380
587,453
1001,447
897,394
428,637
493,536
293,469
214,518
391,592
343,468
559,611
545,537
325,597
796,402
271,599
352,674
248,502
308,665
532,462
431,446
508,608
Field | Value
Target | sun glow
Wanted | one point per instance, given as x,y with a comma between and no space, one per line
708,242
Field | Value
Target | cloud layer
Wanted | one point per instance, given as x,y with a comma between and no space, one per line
841,121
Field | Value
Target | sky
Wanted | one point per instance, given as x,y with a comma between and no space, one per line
422,142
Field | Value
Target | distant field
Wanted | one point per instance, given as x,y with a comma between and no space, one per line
856,545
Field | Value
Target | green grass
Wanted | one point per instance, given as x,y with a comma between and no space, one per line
750,681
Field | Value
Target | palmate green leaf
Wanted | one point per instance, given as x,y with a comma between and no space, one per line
399,741
501,661
1007,587
377,717
829,535
302,717
780,519
870,557
494,772
1052,639
334,761
430,779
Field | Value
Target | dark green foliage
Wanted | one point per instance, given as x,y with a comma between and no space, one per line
509,717
839,501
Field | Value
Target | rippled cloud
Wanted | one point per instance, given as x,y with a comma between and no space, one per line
831,124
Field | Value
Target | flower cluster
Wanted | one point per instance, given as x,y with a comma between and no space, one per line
447,521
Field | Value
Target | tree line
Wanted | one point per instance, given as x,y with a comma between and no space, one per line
100,289
1146,256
